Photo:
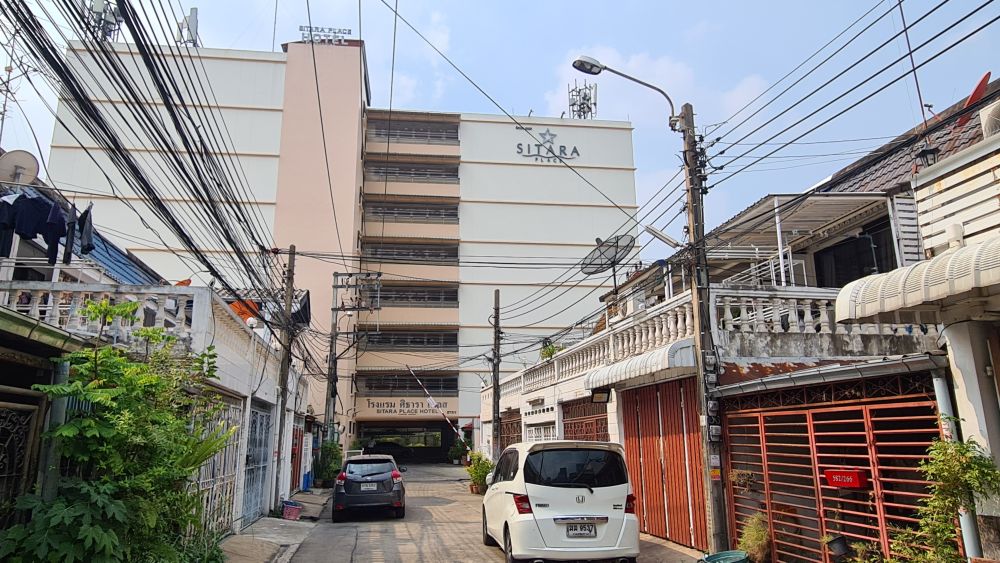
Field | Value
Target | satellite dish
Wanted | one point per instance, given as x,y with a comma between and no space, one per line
19,167
608,254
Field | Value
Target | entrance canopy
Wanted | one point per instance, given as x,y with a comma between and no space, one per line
967,276
788,221
679,354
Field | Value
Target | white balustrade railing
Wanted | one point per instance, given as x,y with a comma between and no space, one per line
196,316
647,330
792,310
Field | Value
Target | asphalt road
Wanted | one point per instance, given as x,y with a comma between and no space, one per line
442,525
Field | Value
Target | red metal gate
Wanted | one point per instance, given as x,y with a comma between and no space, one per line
664,457
510,428
585,420
776,460
297,435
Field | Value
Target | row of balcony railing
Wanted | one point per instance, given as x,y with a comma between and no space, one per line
446,137
781,310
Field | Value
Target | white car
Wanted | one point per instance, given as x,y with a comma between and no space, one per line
561,500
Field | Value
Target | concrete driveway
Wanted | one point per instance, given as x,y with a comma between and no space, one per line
442,525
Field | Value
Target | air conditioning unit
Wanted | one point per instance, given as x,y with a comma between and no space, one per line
989,117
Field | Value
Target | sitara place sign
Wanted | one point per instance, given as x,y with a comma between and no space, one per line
546,149
375,408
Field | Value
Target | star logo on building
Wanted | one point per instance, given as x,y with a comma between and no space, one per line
547,137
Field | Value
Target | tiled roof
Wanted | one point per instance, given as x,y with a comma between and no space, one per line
893,163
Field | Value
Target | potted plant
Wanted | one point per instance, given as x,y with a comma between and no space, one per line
742,480
330,460
457,452
755,538
835,545
479,467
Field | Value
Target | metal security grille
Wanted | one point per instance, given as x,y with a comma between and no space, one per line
417,296
298,432
585,420
510,428
664,457
776,461
404,385
18,438
405,253
539,432
405,340
258,455
411,212
216,478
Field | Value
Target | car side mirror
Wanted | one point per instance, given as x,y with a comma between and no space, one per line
402,469
489,478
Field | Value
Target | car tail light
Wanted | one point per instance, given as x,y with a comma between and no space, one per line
523,504
630,504
397,477
341,478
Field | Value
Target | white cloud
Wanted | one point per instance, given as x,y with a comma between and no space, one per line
439,34
738,96
701,30
404,90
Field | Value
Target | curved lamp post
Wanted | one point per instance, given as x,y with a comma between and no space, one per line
592,66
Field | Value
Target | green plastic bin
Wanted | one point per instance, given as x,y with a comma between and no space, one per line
727,557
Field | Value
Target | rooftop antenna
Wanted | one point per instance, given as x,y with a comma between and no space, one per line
18,167
583,100
103,18
187,29
608,254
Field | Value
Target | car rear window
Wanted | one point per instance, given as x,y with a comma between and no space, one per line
368,467
575,467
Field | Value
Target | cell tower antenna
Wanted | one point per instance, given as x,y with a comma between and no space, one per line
103,18
187,29
583,100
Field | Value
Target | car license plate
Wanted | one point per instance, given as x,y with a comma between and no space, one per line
369,486
581,530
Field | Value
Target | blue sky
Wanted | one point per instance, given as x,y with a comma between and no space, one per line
716,55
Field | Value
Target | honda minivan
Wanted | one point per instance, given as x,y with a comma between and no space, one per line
561,500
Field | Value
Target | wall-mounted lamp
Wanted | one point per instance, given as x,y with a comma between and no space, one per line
600,395
928,155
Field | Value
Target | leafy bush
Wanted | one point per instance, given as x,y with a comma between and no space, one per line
755,538
331,459
960,473
136,449
549,351
457,450
479,467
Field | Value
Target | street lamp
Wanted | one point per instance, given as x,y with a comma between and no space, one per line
593,67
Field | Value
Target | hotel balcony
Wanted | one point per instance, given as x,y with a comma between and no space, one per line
412,133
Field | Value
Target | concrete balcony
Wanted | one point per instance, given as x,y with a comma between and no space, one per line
411,142
390,315
372,359
407,272
411,186
196,316
407,229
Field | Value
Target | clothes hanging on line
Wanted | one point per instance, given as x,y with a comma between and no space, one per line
85,224
7,216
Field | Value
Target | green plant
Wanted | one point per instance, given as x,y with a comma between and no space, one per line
865,552
457,450
479,467
960,473
742,479
331,458
356,444
547,352
755,538
149,430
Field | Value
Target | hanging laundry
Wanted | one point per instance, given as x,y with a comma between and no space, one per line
85,224
55,229
7,224
70,236
31,216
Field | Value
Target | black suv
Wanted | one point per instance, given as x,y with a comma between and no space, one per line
370,481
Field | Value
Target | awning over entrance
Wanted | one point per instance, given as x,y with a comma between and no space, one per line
834,373
968,272
676,354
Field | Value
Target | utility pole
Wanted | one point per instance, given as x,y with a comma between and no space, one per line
332,378
286,364
496,375
705,356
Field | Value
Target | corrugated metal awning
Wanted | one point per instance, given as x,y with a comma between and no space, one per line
834,373
928,285
675,354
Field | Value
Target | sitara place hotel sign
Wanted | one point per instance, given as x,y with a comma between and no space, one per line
546,149
378,408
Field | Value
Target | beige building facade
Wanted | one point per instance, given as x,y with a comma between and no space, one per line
443,208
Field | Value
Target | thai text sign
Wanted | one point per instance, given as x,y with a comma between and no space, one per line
373,408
